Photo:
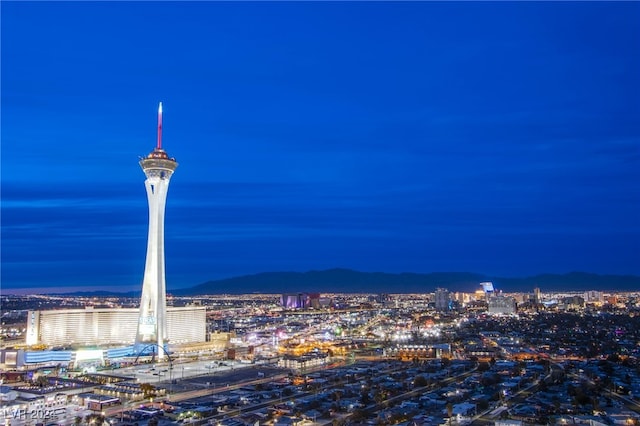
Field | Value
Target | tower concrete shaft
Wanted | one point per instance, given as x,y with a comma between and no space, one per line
152,323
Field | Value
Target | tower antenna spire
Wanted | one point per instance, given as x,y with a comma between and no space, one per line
159,144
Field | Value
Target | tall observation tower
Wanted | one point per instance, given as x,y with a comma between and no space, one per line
152,323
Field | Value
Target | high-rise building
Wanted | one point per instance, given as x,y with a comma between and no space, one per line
295,300
109,327
152,321
442,299
502,305
594,296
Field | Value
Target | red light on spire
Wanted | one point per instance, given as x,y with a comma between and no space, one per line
159,145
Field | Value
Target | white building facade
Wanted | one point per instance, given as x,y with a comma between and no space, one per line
110,326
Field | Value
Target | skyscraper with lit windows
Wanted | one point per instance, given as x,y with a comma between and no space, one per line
442,300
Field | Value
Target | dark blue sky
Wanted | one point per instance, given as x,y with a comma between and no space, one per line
500,138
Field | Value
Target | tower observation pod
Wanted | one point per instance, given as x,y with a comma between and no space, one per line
152,322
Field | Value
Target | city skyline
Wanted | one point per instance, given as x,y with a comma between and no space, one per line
497,138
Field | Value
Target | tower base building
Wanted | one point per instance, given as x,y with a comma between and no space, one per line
106,327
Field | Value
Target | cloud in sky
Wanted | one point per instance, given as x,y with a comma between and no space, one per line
493,137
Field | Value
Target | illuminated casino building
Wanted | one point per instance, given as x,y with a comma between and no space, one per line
122,332
109,326
294,300
152,321
487,287
502,305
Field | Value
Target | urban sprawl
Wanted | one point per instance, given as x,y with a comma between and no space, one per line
438,358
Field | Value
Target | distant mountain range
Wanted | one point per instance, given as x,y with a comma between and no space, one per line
349,281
